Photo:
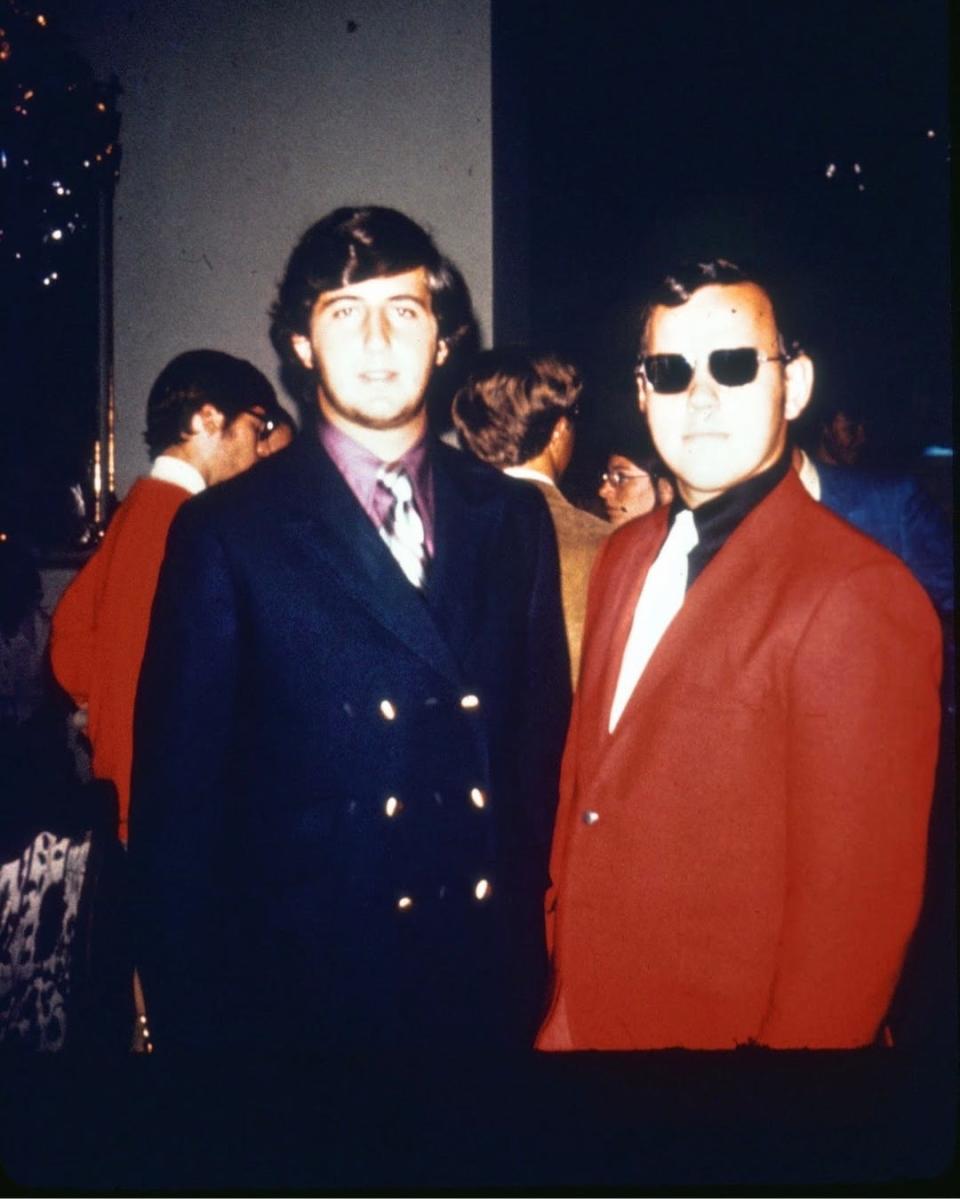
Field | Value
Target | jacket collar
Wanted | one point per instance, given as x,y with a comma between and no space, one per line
323,511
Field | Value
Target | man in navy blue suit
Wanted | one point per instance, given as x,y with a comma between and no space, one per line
353,701
896,511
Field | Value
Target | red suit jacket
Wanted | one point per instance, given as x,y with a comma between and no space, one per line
100,627
742,860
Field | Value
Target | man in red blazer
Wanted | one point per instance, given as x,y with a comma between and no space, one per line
740,846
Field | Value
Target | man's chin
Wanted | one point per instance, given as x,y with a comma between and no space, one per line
383,418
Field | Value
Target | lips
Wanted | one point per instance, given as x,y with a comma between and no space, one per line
377,376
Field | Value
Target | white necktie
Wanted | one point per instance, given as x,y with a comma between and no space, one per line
660,600
402,528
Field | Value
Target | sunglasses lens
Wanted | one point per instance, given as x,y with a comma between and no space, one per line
734,368
668,373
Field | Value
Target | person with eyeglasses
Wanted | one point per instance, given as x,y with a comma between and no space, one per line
635,481
206,416
740,847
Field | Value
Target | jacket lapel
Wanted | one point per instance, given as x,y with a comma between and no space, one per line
326,516
731,578
456,582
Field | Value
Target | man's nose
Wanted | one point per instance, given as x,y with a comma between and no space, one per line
376,330
702,392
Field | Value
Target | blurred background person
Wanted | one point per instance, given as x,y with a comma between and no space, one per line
842,437
636,480
518,411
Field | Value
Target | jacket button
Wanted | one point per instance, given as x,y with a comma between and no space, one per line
591,817
469,701
404,903
387,710
392,806
477,798
482,889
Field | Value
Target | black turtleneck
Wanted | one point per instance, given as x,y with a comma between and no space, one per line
717,518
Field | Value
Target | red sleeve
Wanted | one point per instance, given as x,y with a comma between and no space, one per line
862,747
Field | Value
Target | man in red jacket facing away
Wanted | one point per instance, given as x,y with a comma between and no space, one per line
207,416
740,847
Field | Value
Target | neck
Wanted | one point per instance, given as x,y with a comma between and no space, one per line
544,464
187,452
386,444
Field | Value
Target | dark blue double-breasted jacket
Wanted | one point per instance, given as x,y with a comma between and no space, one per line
343,788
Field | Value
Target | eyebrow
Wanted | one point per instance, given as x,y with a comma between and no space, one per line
418,300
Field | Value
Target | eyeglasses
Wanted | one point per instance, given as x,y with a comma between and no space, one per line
267,426
617,478
672,373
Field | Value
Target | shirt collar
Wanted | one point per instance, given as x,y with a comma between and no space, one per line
809,475
168,469
526,472
718,518
359,468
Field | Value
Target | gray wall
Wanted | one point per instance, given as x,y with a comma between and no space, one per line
243,122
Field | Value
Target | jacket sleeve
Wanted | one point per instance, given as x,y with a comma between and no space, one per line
547,680
182,726
862,744
73,633
928,545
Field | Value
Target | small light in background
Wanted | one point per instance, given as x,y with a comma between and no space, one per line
831,170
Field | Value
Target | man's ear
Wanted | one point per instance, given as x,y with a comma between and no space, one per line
207,420
798,385
443,352
302,349
642,394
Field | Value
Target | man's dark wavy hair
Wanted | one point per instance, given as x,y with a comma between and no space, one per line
198,377
508,408
351,245
676,287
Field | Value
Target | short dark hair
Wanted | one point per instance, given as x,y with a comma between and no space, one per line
676,288
198,377
351,245
510,404
632,440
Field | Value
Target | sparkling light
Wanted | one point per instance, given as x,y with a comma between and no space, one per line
831,170
56,234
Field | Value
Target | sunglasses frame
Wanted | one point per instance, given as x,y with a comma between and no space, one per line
761,356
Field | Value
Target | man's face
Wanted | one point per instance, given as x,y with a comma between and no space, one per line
712,436
373,346
626,490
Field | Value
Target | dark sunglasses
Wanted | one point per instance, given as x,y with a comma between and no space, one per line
672,373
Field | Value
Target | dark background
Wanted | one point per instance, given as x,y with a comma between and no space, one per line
627,137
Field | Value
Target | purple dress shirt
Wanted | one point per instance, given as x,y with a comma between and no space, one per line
359,468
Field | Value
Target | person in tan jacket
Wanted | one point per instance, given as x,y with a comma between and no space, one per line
517,412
